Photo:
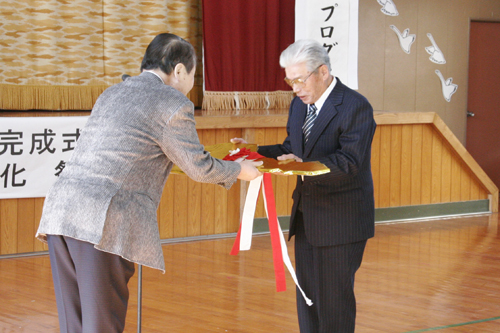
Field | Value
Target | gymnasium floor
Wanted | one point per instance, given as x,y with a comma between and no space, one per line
437,275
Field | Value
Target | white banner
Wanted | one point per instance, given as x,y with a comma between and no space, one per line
333,23
33,152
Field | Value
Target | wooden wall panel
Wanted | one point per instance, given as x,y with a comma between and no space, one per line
475,193
385,167
426,189
375,163
193,217
181,203
446,175
465,181
284,185
436,173
26,225
413,163
208,191
395,176
233,208
455,179
416,164
8,225
221,194
406,160
260,138
166,210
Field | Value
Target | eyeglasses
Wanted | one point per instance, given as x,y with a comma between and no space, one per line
299,82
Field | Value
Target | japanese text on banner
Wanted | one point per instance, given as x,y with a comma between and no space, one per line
33,152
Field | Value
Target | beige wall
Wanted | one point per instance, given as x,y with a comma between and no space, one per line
394,81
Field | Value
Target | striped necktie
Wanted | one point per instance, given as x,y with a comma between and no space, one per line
308,124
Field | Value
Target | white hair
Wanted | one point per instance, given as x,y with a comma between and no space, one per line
307,51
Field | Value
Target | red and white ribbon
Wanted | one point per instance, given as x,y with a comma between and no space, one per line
243,239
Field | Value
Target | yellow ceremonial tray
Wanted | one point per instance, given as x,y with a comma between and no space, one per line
270,165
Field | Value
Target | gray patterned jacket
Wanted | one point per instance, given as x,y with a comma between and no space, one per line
110,189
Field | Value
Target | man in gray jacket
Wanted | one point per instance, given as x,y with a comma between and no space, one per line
99,217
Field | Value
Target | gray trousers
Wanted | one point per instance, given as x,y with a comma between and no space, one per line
90,286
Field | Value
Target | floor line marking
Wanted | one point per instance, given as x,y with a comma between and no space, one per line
454,325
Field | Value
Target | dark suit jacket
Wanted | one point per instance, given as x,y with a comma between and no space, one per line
338,207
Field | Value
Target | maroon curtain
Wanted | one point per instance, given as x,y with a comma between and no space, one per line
242,42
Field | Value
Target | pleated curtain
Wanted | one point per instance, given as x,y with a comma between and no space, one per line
242,42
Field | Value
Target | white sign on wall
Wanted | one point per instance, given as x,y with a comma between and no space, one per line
33,152
335,25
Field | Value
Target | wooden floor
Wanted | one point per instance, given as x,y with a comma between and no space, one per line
436,275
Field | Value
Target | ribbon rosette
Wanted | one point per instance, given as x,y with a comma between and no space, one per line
242,154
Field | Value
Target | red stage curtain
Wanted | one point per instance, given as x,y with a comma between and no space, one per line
242,42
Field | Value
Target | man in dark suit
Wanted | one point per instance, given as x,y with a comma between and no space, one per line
333,214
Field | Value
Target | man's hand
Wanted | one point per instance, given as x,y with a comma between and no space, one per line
289,157
238,140
249,171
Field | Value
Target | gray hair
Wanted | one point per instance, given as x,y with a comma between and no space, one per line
305,50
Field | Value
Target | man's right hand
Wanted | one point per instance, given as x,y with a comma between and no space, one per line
249,171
